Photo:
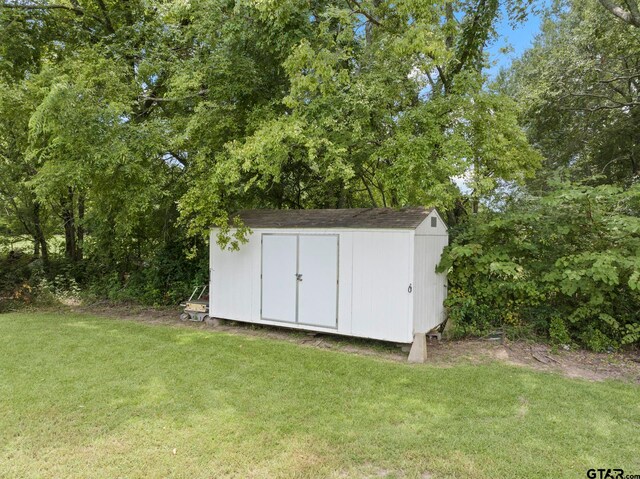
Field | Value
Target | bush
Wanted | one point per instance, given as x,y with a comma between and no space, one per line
168,277
16,271
565,264
558,333
597,341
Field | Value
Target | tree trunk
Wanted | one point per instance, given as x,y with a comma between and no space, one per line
448,8
368,29
68,219
634,164
38,235
44,250
80,229
455,215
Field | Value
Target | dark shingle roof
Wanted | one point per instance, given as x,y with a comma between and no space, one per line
388,218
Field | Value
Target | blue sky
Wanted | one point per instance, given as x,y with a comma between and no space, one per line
519,38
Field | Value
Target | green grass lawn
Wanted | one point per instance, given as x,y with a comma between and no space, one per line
87,397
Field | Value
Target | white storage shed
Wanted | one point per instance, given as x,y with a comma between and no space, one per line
366,272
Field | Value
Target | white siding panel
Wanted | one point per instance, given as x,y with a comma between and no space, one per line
345,274
230,287
430,287
381,276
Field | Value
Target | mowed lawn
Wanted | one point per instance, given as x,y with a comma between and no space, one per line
87,397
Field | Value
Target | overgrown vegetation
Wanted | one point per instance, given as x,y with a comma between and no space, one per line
565,263
128,128
560,258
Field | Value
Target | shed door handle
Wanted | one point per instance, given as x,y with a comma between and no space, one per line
299,276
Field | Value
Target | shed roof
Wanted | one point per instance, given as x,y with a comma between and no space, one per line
387,218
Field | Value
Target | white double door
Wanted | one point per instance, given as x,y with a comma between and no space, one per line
300,279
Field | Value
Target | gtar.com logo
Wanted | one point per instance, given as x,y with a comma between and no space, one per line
605,474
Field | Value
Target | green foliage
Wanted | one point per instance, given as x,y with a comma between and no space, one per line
130,128
597,341
24,281
15,271
567,262
558,333
579,88
167,277
384,114
63,288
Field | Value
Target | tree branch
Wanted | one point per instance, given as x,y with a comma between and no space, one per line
356,7
470,36
631,16
105,15
598,108
168,99
618,78
74,9
598,96
442,76
633,9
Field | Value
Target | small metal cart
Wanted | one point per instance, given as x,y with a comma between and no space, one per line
196,308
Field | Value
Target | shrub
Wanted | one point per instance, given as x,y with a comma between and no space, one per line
572,255
168,277
597,341
558,332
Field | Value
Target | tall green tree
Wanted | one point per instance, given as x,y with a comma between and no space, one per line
580,84
96,136
25,213
138,109
561,257
380,104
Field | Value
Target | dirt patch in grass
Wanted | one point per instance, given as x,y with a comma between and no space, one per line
541,357
574,363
